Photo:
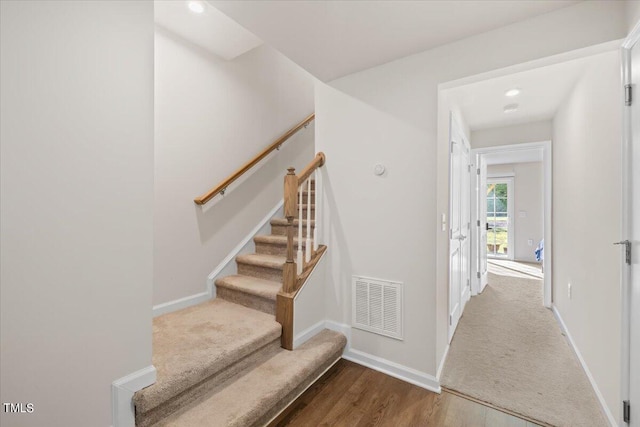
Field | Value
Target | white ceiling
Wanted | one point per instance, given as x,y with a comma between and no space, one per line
211,29
331,39
514,156
542,92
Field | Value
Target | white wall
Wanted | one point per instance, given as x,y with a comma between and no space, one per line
389,227
309,307
632,13
77,205
586,220
212,116
527,132
528,192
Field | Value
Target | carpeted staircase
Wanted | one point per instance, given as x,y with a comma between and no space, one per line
220,363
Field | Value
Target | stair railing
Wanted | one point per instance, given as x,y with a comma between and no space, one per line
300,199
221,188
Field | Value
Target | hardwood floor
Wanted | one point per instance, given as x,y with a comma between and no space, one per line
353,395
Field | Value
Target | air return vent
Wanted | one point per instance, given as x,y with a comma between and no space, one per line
377,306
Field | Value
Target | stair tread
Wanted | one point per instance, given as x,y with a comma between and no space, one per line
246,399
264,260
252,285
278,239
192,344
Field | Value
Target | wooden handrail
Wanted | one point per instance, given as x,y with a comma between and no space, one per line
317,162
220,188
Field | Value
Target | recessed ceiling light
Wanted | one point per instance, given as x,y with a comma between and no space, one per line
195,6
511,108
512,92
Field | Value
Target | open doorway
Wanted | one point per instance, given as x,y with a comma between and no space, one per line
507,338
512,213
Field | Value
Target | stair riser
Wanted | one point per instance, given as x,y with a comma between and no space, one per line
304,213
209,385
293,395
305,198
281,230
248,300
278,250
260,272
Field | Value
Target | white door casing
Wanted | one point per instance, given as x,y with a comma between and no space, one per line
630,272
465,223
484,265
459,226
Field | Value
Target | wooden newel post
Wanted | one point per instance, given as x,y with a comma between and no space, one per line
290,208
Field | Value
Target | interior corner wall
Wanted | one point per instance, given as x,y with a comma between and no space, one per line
390,114
528,210
632,13
586,220
76,131
516,134
211,117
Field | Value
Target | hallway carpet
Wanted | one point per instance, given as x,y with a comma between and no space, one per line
509,351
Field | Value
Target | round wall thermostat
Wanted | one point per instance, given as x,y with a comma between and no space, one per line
378,169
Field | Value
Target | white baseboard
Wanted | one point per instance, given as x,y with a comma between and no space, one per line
343,328
313,330
603,404
179,304
393,369
441,365
226,268
376,363
308,333
122,391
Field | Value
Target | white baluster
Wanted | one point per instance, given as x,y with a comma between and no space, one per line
317,205
299,259
307,256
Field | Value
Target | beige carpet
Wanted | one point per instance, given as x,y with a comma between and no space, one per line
509,351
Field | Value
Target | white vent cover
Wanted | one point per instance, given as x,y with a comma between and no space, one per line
377,306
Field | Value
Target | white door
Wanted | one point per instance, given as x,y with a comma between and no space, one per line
482,215
459,214
634,237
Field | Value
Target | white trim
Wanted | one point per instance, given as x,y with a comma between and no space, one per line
547,154
632,38
396,370
179,304
501,175
308,333
122,391
603,404
404,373
227,267
441,365
343,328
533,64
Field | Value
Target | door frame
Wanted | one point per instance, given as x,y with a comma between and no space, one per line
629,43
510,180
545,146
